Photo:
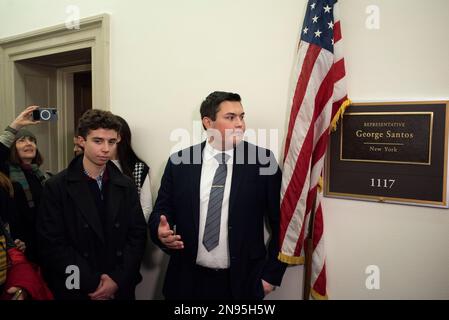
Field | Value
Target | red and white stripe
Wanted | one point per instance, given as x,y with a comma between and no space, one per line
318,92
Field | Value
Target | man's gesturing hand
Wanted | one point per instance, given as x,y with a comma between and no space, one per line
168,236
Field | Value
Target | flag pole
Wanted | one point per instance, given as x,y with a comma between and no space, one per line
308,253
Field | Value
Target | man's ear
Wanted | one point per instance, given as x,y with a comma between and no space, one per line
81,141
207,122
119,138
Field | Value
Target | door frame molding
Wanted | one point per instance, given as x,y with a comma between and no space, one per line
93,33
64,89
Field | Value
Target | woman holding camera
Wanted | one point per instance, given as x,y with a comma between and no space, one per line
20,160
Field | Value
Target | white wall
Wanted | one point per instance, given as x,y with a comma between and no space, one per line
166,56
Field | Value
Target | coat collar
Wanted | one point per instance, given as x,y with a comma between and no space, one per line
75,172
78,188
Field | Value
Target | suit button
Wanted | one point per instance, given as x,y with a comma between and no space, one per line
119,253
229,227
85,254
117,225
232,258
86,226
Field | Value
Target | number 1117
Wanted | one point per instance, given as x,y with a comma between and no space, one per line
382,183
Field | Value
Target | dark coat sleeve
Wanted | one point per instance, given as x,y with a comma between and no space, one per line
163,206
55,252
274,269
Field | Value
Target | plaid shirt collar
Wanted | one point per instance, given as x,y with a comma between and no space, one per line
102,178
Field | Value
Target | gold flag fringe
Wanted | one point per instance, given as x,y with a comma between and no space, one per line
339,114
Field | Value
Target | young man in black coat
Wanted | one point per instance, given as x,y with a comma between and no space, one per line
210,211
91,228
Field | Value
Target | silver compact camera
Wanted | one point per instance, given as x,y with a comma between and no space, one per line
45,114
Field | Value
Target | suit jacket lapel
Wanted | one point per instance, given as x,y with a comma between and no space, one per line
195,178
238,172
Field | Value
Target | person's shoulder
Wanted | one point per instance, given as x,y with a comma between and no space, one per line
57,178
252,146
142,165
199,146
190,155
57,182
118,177
252,151
127,181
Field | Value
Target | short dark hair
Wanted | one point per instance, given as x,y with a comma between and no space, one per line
209,107
95,119
14,157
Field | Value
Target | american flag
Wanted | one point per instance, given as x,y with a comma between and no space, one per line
318,97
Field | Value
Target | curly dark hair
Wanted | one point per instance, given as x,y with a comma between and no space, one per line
95,119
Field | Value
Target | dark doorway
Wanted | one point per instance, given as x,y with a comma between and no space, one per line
82,93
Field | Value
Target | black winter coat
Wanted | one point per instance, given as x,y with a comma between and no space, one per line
70,233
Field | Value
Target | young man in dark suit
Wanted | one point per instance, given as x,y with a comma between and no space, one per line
91,228
210,210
